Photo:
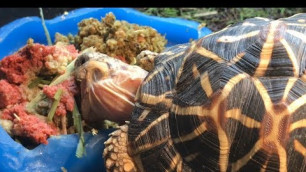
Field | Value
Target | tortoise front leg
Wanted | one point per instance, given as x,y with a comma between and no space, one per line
115,153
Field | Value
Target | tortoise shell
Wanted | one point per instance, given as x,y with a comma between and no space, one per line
234,100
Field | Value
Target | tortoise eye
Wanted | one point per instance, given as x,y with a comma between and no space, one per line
81,60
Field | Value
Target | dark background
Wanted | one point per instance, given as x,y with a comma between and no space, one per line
8,15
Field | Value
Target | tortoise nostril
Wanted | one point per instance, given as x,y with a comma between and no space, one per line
97,75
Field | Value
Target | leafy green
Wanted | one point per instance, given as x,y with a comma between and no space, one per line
77,122
57,98
31,106
39,80
45,27
66,75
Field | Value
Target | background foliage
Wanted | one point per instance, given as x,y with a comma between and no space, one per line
218,18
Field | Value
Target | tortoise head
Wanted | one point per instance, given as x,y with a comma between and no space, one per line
108,87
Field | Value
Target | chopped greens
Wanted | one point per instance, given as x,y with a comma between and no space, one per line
57,98
37,81
66,75
45,27
32,105
78,125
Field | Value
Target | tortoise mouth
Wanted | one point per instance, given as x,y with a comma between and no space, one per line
111,101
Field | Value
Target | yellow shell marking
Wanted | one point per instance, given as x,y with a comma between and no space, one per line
266,53
198,131
227,38
195,71
278,116
289,86
299,147
174,162
297,104
237,58
274,135
213,113
209,54
303,77
296,24
292,57
243,119
161,68
241,162
299,35
153,100
191,157
271,137
299,124
206,86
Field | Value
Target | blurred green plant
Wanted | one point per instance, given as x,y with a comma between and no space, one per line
218,18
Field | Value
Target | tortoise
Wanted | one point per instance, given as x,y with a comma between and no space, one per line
234,100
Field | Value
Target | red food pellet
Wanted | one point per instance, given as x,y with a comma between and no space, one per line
9,94
17,69
29,125
32,127
29,58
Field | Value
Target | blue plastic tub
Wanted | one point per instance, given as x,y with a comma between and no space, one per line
60,152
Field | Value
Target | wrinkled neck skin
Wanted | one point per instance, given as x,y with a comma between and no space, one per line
108,89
